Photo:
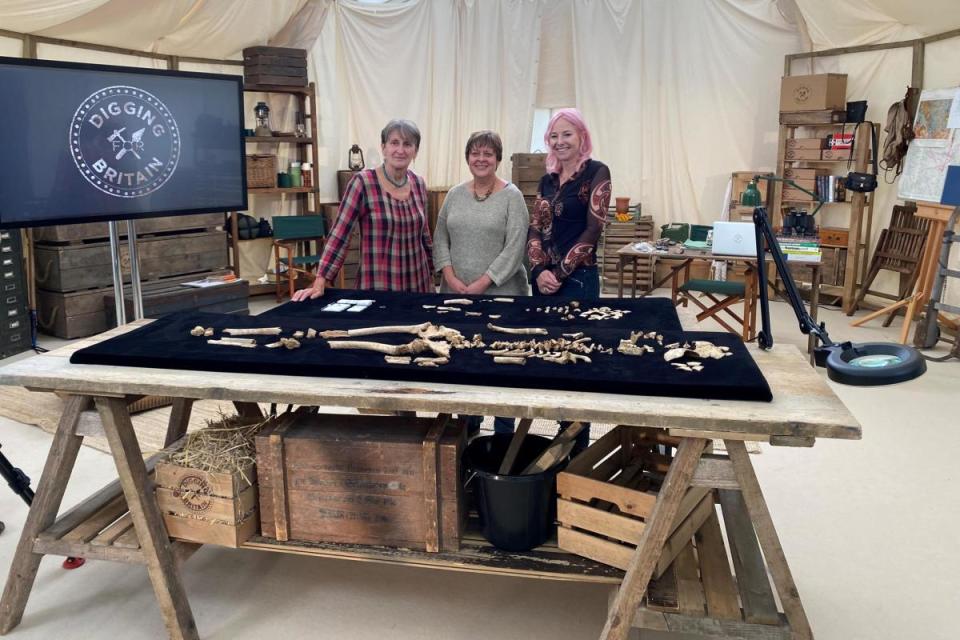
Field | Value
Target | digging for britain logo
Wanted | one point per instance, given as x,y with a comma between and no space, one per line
124,141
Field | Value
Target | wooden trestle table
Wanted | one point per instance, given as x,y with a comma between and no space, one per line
713,603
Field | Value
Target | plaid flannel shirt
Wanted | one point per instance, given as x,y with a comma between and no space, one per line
395,246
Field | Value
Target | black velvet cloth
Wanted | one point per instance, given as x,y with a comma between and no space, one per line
167,343
407,308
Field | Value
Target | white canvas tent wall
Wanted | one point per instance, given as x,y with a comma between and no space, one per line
678,94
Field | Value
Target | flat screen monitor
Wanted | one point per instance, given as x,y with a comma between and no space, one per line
83,142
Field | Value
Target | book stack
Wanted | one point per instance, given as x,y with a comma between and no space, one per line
800,248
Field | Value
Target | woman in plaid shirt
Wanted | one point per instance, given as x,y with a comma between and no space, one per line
390,204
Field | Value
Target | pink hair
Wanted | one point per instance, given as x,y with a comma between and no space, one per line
574,117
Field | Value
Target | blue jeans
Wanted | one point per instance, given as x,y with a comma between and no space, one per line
500,425
582,284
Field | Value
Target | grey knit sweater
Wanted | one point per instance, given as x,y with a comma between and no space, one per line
488,237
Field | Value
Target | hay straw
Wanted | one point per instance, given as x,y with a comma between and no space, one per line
223,446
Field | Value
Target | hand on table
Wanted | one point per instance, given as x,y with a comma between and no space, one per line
547,282
311,292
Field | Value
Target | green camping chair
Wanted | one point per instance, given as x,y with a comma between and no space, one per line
294,235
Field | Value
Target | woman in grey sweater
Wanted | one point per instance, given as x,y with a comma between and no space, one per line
481,233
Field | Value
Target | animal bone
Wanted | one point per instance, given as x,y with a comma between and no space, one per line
298,334
397,359
234,343
504,300
442,309
430,362
274,345
472,313
508,360
574,304
521,331
411,348
197,331
415,329
496,316
208,332
463,301
290,343
672,345
429,306
573,336
311,333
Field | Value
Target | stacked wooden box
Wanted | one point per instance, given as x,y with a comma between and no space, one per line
74,268
362,479
14,317
616,235
276,66
351,264
528,168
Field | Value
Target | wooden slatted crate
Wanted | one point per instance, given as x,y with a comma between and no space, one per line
616,235
528,168
206,507
362,479
607,494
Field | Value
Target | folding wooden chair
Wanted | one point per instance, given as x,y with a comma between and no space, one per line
294,235
717,297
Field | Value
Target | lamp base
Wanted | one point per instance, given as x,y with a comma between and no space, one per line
872,363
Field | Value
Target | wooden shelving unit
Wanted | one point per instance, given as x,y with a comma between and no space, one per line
308,200
860,205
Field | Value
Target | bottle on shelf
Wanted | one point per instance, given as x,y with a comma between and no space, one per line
306,174
296,177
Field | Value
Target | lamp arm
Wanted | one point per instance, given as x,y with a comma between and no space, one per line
766,240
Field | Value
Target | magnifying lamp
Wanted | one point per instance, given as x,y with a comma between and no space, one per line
860,364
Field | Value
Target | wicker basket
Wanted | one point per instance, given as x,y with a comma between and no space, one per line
261,171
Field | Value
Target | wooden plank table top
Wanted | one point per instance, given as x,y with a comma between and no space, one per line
803,404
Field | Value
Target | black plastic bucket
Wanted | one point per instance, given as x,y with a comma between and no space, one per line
517,512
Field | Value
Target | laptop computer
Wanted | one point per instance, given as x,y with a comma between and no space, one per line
734,239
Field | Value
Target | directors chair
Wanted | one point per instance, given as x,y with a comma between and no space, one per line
294,235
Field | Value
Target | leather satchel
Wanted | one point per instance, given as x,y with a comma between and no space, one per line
865,182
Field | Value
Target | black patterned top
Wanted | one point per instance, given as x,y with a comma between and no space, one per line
567,221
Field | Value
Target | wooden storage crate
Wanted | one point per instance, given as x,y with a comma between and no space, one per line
282,66
528,168
616,235
98,231
607,493
206,507
261,171
362,479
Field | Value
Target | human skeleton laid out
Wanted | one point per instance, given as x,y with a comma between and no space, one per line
436,342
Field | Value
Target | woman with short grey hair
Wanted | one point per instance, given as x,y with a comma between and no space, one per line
389,203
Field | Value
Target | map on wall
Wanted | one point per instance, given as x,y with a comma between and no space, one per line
935,148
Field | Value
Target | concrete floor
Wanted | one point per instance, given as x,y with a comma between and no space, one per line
865,526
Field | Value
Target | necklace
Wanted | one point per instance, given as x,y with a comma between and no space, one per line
476,194
399,184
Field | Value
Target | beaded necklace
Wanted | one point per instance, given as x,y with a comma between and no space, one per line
399,184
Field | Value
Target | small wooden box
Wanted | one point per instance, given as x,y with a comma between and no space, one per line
607,493
802,154
206,507
803,173
282,66
837,154
806,143
362,479
834,236
795,195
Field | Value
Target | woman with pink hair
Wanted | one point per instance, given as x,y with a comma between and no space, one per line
569,213
568,217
